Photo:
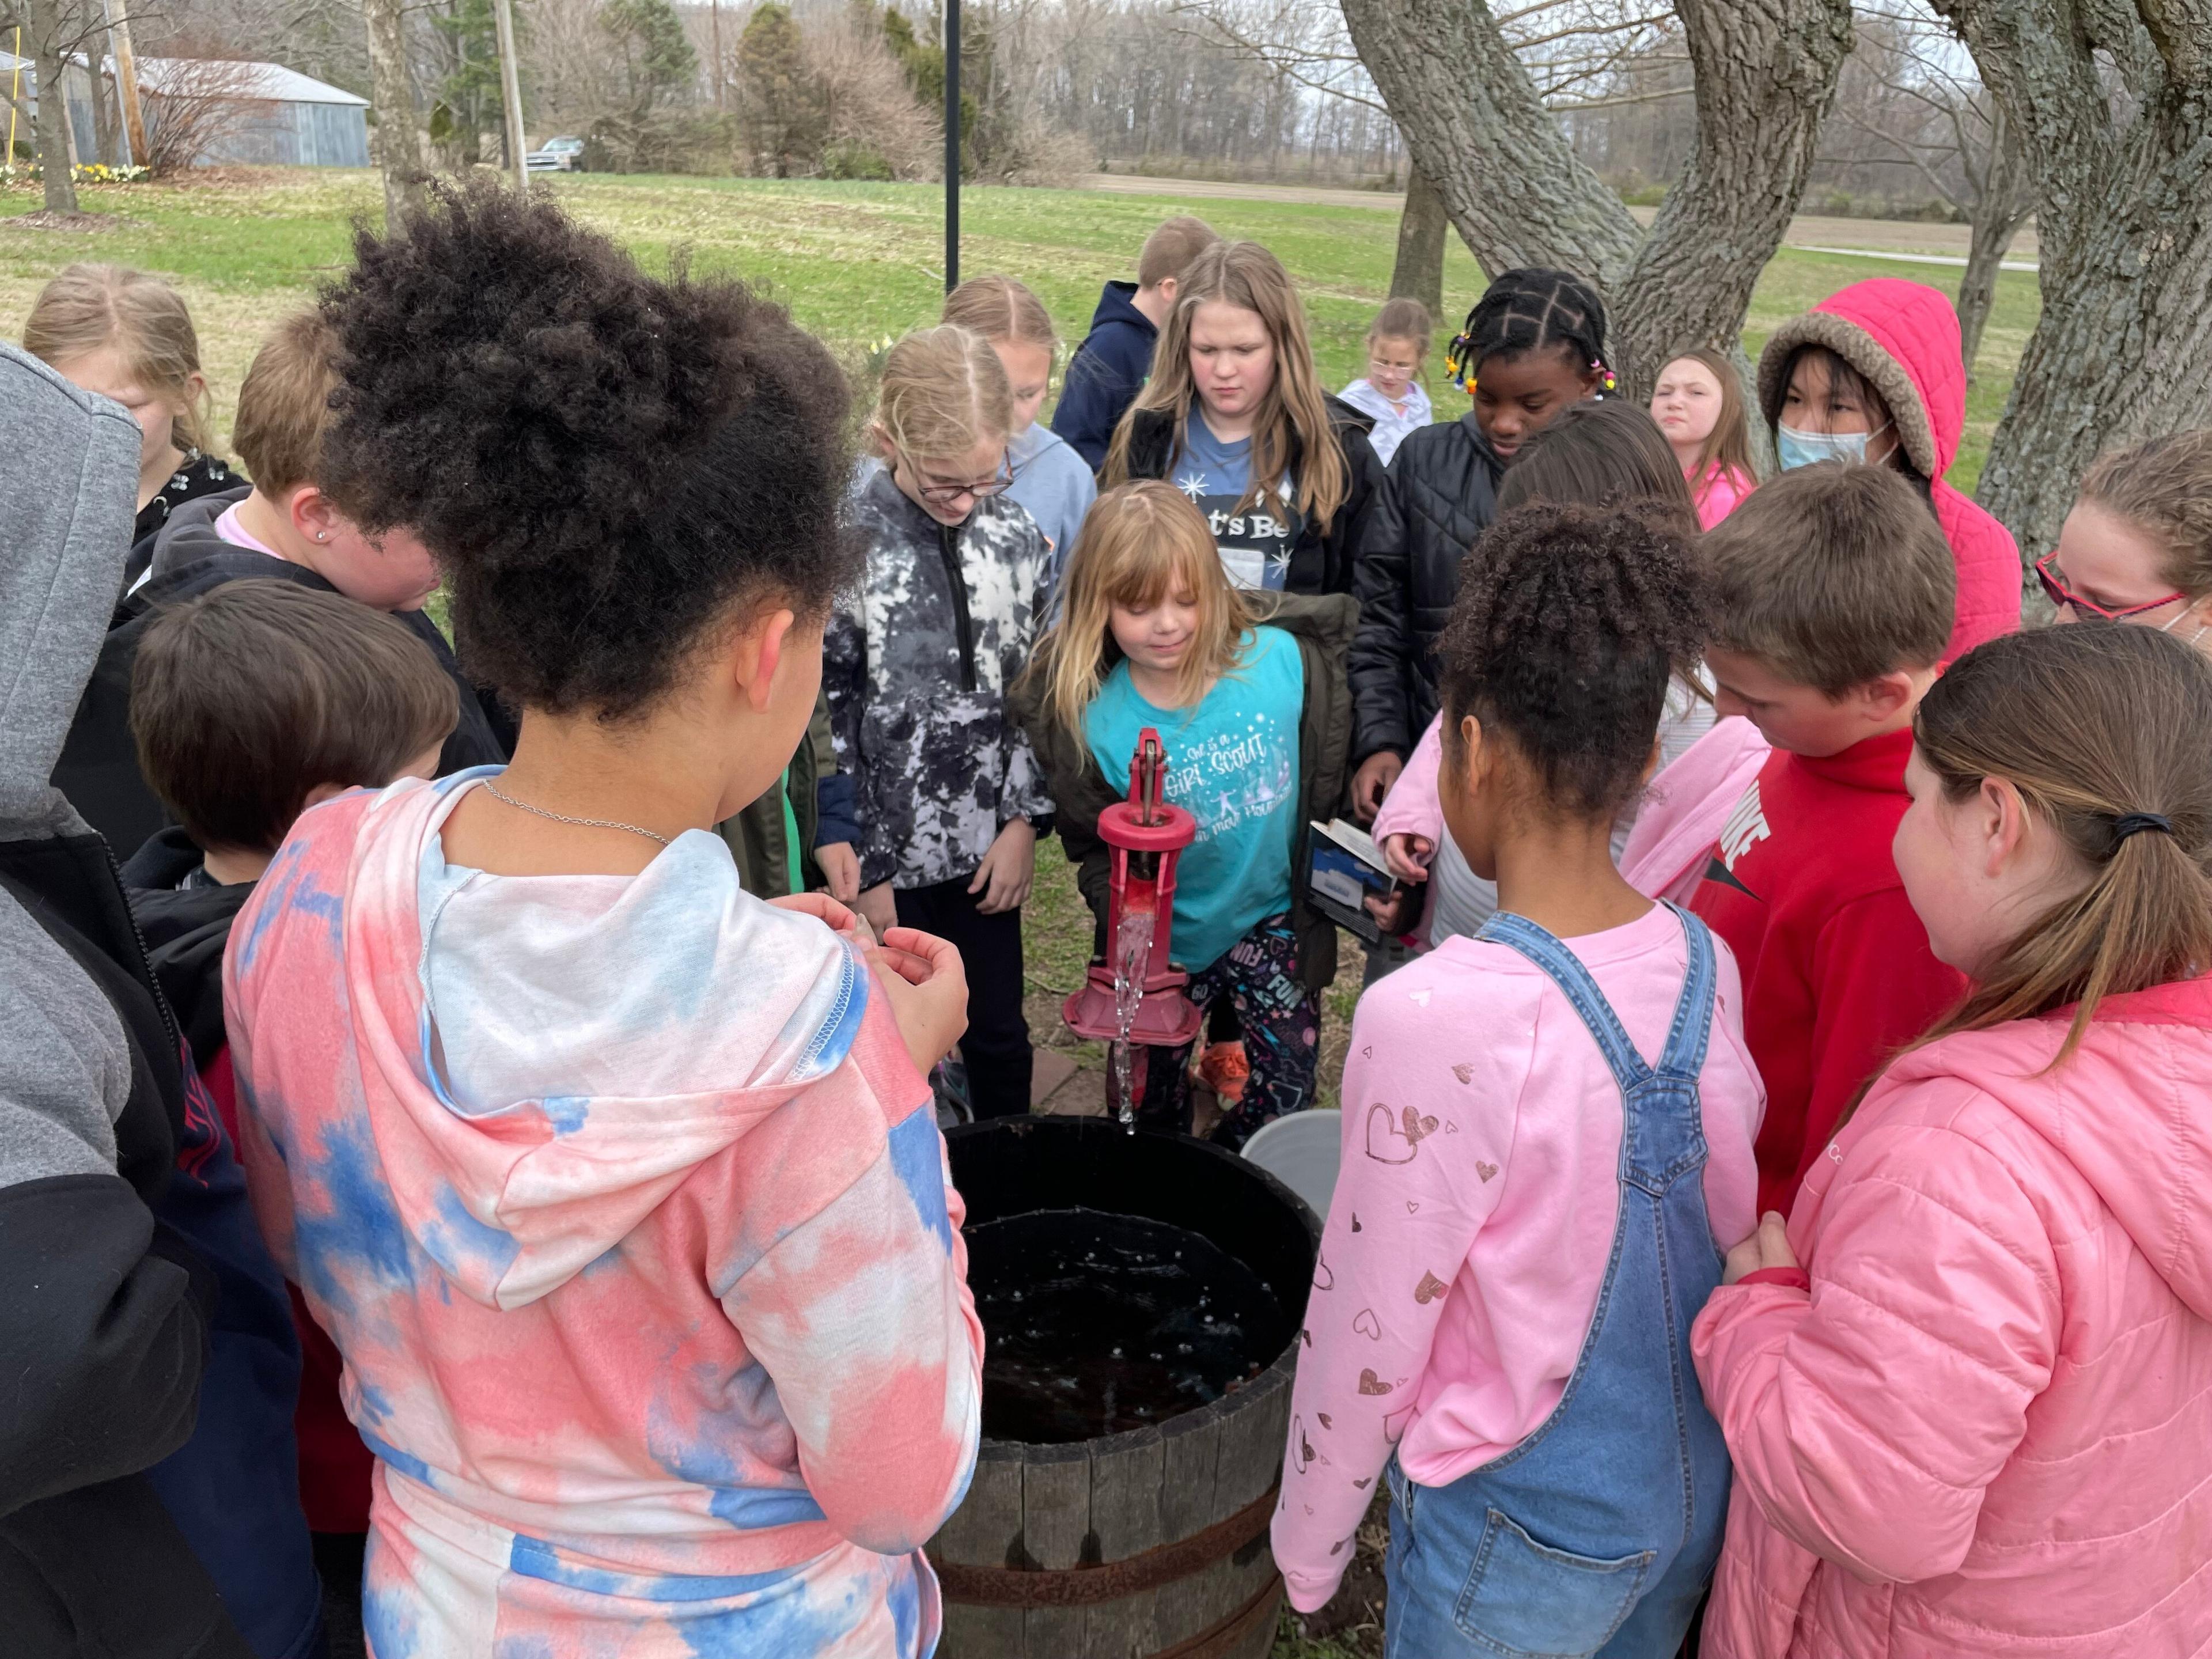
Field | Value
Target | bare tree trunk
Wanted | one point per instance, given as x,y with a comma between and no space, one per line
2124,348
2008,199
56,144
398,144
1420,272
1765,74
1518,194
1472,122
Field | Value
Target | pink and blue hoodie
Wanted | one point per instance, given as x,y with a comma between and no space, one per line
629,1214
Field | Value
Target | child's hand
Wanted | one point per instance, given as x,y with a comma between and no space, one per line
1372,781
1388,910
879,908
922,976
844,922
841,868
1408,856
1004,874
1767,1248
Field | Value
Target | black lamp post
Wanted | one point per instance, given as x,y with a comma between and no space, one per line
951,145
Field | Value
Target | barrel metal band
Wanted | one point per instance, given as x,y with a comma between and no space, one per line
1081,1587
1230,1633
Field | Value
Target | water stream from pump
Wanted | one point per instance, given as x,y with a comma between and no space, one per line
1133,953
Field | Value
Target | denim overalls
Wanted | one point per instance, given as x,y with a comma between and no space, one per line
1598,1533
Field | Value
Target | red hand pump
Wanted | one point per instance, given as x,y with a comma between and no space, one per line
1147,835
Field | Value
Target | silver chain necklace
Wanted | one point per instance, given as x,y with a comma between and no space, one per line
498,793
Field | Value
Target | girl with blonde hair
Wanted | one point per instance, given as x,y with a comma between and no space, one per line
1391,389
1235,417
1051,480
917,664
1248,695
126,335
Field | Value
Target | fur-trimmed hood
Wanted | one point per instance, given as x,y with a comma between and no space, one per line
1903,337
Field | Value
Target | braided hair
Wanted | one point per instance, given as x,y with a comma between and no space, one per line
1534,309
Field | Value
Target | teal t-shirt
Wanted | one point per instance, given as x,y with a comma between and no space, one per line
1233,765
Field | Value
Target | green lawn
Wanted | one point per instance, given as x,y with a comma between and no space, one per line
854,261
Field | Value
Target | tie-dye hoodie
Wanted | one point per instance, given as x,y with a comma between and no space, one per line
628,1212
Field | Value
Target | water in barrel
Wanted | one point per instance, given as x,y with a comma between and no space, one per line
1099,1323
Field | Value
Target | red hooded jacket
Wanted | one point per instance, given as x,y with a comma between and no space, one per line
1903,337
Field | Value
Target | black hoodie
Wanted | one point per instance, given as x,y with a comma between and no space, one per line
99,767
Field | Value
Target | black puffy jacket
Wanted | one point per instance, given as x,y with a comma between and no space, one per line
1440,493
1319,564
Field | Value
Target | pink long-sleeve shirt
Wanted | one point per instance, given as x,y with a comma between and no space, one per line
1475,1214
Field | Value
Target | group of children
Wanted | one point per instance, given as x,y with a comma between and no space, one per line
564,1010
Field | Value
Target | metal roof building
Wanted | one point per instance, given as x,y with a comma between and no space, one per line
284,118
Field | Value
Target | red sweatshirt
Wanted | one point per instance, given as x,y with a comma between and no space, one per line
1836,971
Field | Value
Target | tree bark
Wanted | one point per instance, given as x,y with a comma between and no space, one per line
2007,200
1419,272
398,144
1765,73
56,149
2124,348
1509,180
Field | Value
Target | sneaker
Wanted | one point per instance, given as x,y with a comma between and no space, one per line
1224,1069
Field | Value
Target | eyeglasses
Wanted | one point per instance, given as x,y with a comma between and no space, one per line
2054,587
944,495
1376,366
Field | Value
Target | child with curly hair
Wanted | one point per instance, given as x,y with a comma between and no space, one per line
1547,1132
619,1190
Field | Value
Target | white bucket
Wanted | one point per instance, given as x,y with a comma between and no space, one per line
1300,1150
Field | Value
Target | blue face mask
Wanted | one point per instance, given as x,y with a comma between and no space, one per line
1795,448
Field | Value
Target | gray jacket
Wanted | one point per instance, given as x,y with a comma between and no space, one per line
916,665
104,1312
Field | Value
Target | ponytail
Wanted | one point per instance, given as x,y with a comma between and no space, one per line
2102,731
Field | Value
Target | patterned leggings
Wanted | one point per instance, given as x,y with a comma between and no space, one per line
1281,1022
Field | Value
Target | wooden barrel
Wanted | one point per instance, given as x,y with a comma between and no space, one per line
1151,1544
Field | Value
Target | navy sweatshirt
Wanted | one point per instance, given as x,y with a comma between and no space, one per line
1106,372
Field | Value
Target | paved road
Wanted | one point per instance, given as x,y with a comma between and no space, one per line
1909,240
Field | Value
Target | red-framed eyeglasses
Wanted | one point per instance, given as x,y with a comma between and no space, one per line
2055,588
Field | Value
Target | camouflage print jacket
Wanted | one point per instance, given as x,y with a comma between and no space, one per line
917,665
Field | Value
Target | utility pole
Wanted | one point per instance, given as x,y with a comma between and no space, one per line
510,92
126,77
715,6
951,145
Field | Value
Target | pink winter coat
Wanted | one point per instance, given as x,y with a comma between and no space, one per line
1988,1428
1903,337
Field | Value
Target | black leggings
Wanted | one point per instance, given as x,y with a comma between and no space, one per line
996,1046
